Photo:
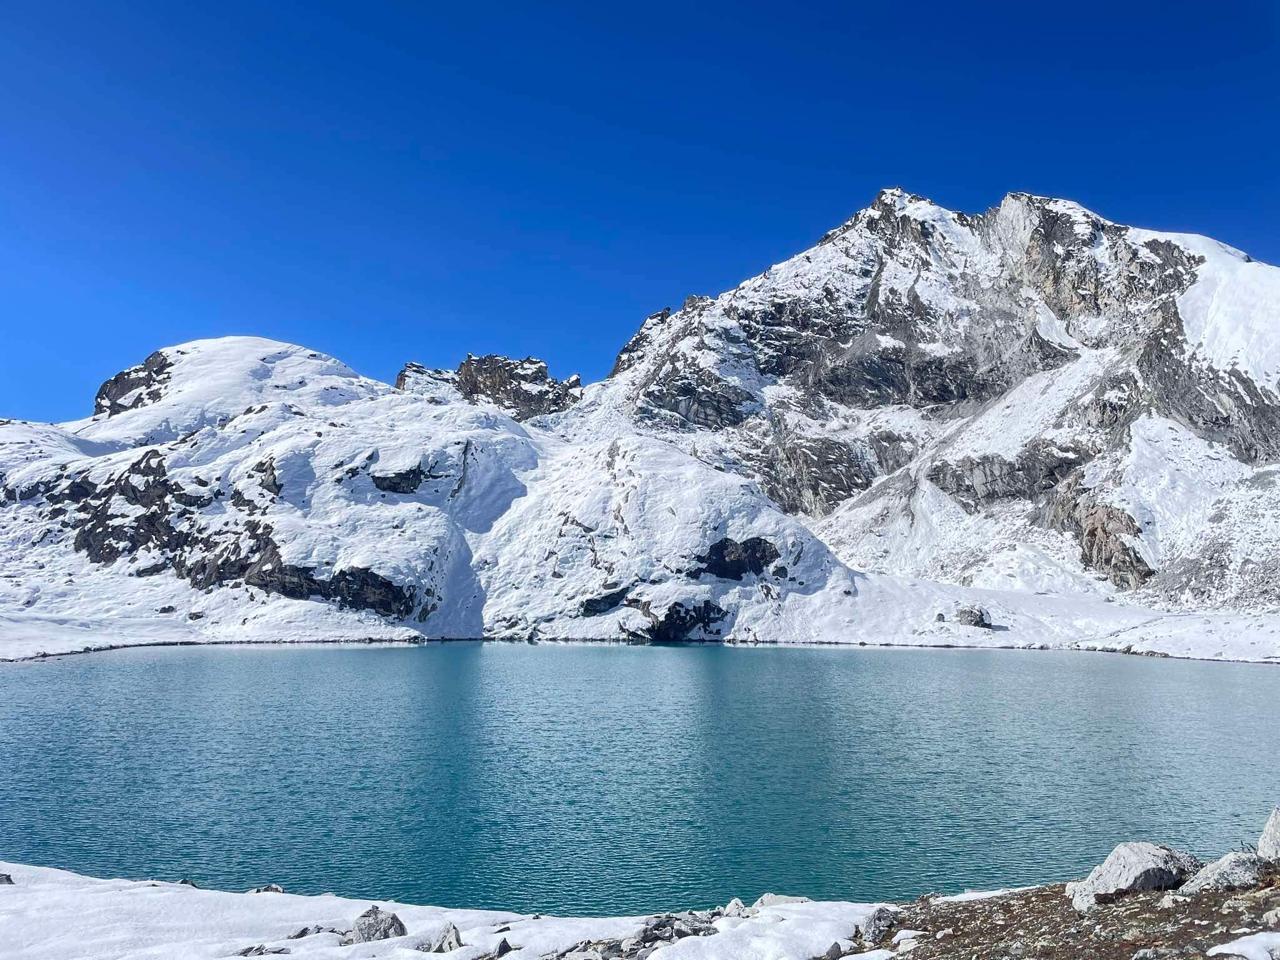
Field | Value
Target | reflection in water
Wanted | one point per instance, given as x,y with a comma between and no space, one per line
622,779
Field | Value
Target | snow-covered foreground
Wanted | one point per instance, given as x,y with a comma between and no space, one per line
54,915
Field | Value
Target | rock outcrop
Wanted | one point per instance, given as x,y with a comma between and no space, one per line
1238,870
1269,842
522,388
1132,868
377,924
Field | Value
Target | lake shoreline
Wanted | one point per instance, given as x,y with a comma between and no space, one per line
402,642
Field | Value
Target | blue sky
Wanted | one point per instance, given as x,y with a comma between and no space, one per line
392,182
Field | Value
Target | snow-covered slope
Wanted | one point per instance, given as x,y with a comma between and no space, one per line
1068,424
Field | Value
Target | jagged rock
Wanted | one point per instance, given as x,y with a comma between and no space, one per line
268,888
262,950
877,926
134,387
6,880
734,908
1131,868
681,622
1238,870
523,388
377,924
1269,842
447,939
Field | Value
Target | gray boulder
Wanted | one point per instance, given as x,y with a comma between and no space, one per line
447,939
1238,870
1132,868
6,880
1269,844
377,924
972,615
878,925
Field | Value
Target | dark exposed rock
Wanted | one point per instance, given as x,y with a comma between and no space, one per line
262,950
523,388
594,606
406,481
683,621
352,587
134,387
972,615
6,880
730,559
1107,535
804,474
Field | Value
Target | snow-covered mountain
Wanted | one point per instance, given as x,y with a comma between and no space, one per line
1026,427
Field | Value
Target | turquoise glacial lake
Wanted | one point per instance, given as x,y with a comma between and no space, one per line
615,780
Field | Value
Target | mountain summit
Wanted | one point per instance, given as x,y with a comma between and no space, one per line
1027,426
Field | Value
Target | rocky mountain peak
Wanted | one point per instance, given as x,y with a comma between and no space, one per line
1031,402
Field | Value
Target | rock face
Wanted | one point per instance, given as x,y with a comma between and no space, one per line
377,924
522,388
134,387
1132,868
1030,401
1269,842
1238,870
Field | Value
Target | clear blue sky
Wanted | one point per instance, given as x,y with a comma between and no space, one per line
391,182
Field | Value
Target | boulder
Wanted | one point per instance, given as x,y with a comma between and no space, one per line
972,615
877,926
1238,870
6,880
377,924
734,908
268,888
1269,843
445,940
1132,868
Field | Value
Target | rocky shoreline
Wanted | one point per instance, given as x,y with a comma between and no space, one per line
1146,901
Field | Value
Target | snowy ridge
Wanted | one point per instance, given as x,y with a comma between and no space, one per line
1028,427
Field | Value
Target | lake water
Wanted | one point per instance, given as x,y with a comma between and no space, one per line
625,779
